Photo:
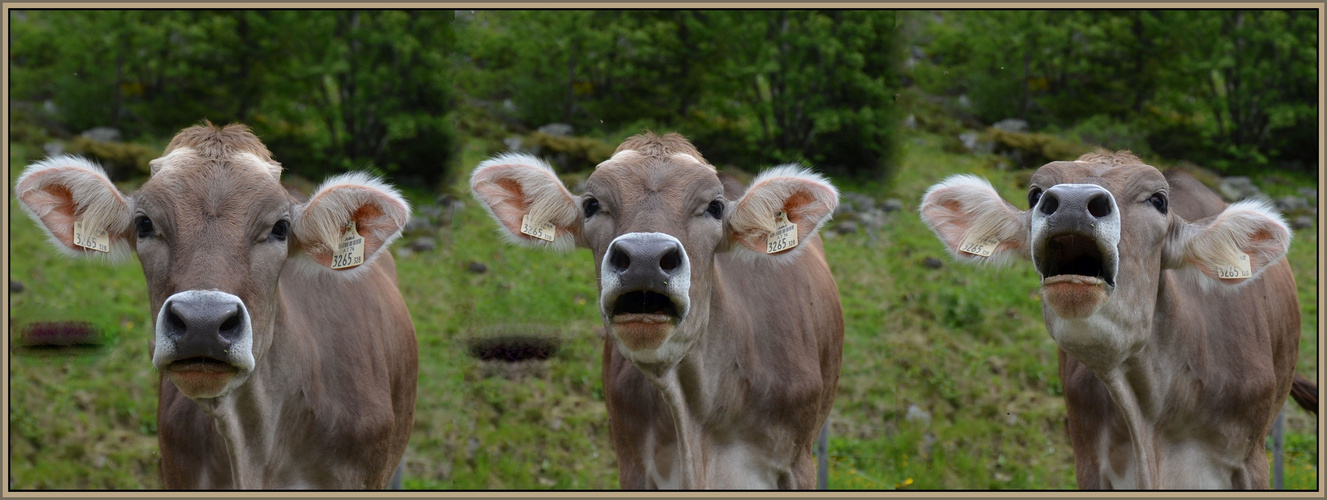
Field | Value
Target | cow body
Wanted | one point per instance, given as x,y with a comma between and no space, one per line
722,353
751,383
1174,361
287,356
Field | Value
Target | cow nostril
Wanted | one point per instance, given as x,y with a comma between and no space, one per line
619,259
671,260
1049,202
232,324
175,325
1099,206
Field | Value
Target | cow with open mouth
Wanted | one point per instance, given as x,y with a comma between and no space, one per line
724,329
286,353
1176,316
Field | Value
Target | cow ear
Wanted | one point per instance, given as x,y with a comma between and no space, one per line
83,214
531,205
805,199
1230,248
973,221
376,211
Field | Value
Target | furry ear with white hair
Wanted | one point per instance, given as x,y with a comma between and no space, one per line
61,192
377,209
1230,248
523,194
806,198
971,219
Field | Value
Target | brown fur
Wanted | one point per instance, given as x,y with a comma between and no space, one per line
764,373
1228,357
335,380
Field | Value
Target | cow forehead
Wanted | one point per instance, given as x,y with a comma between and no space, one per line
1120,180
678,177
209,190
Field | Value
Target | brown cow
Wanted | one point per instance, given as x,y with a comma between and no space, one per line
1175,315
721,360
286,353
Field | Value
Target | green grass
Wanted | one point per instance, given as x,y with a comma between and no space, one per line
963,343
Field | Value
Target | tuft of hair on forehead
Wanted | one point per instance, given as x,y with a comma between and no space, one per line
661,146
1112,158
227,143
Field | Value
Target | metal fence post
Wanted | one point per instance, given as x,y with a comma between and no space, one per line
1278,451
822,461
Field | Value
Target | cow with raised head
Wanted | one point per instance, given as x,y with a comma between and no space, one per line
1175,315
724,329
286,353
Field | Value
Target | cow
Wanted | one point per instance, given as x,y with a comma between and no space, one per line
1175,315
724,333
286,355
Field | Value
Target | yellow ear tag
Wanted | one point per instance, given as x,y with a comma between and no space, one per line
90,239
543,230
979,245
1235,270
784,235
350,251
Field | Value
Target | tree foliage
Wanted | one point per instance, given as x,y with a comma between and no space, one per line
749,87
327,90
1227,88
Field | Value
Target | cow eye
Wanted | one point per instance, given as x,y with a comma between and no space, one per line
1033,197
1159,201
280,231
591,207
715,209
144,227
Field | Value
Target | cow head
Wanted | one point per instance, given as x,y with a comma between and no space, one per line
655,216
213,229
1099,232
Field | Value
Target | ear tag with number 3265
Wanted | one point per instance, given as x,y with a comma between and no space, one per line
784,235
350,250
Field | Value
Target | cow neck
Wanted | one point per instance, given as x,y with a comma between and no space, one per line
1129,360
683,387
246,418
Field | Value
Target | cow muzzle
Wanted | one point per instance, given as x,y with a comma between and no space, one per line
645,279
204,342
1075,247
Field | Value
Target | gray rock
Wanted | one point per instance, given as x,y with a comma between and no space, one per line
933,263
1237,188
1291,204
1012,125
103,134
1310,195
403,252
557,129
846,227
513,143
916,414
872,219
1303,222
15,287
972,141
964,101
417,224
910,121
860,202
477,267
54,148
429,211
423,244
893,205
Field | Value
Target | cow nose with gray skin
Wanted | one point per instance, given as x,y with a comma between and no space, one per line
645,273
203,324
647,263
1076,230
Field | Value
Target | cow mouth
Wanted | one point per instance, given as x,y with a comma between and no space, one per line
201,365
644,306
1075,259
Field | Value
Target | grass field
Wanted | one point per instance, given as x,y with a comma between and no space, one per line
965,345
